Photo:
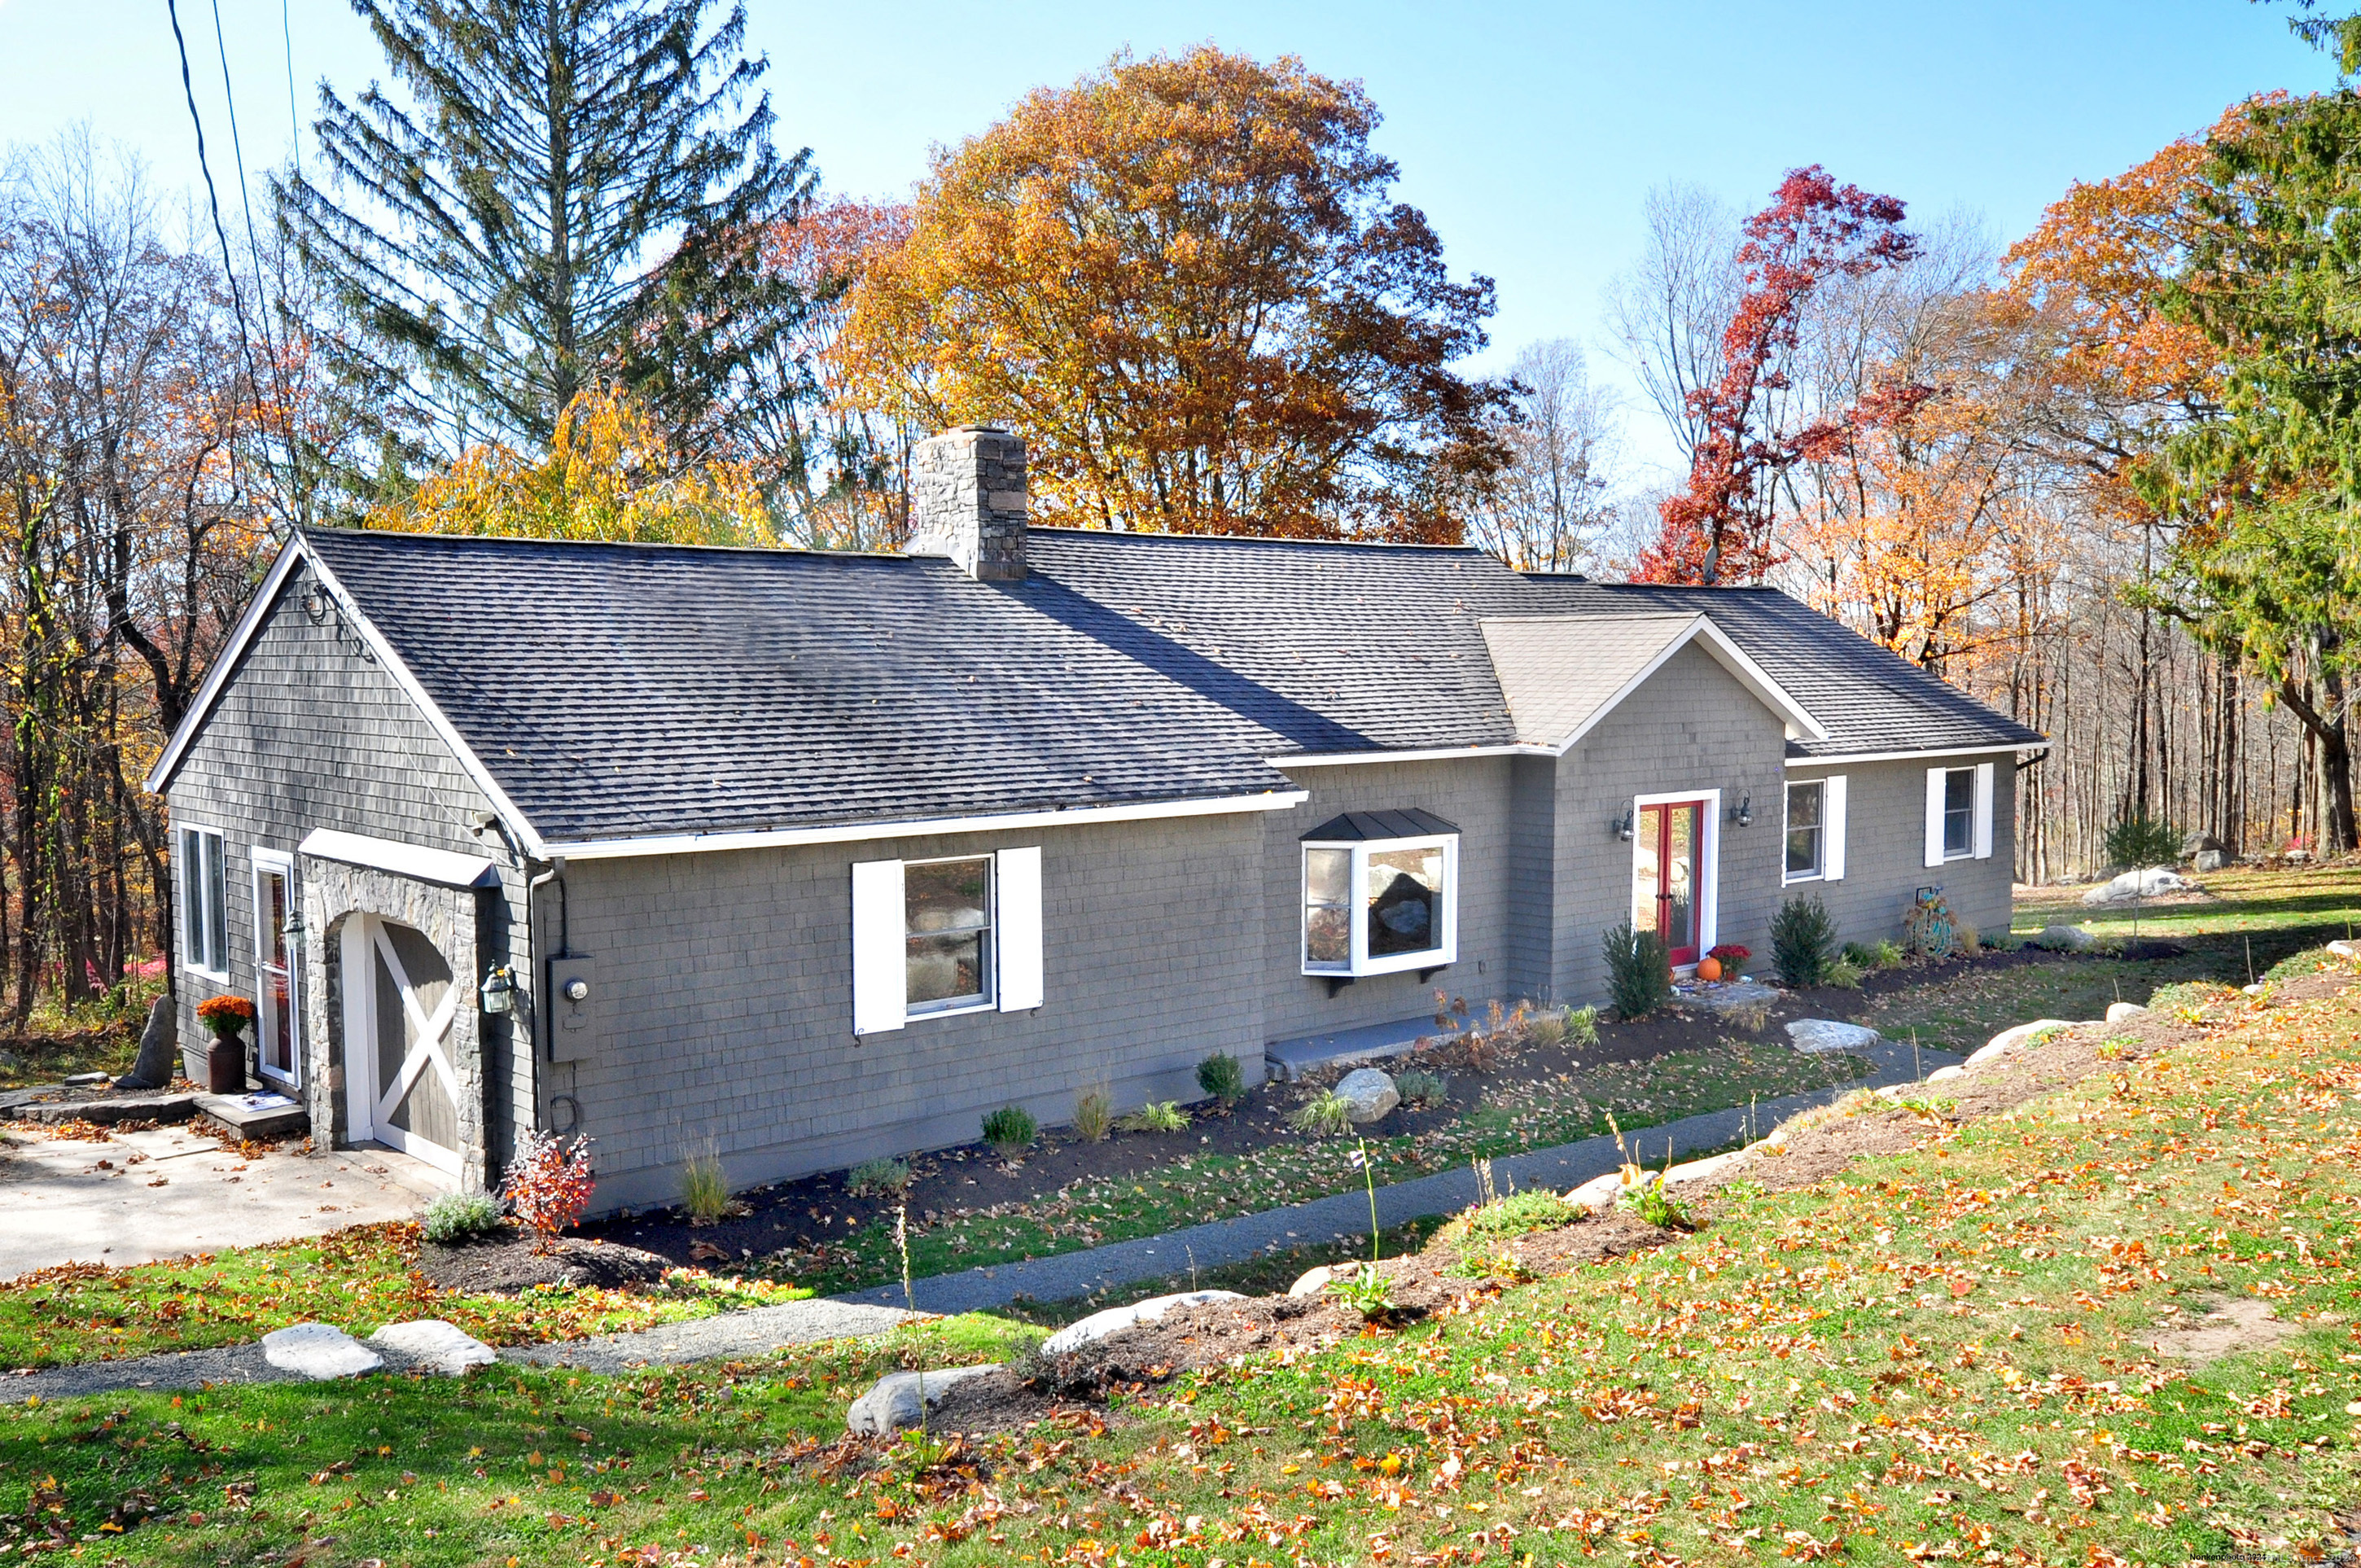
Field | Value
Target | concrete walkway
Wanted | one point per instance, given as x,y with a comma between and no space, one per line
1346,1216
168,1193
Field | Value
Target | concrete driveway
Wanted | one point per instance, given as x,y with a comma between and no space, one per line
166,1192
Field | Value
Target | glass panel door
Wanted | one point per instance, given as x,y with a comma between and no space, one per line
274,973
1666,840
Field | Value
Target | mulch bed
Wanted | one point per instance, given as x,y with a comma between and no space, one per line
817,1209
506,1261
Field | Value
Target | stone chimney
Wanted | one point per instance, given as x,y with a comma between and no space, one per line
967,501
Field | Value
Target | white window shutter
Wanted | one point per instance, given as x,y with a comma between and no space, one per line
1984,811
1832,829
1935,816
881,973
1017,927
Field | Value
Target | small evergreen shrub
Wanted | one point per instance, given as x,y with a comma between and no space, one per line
1328,1115
455,1216
1582,1025
2140,840
1639,975
1803,939
1844,974
1010,1130
1220,1075
1165,1116
704,1191
1420,1089
1093,1113
878,1179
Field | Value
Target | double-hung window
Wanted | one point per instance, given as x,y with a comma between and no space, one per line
1960,813
1380,893
204,876
1815,829
936,936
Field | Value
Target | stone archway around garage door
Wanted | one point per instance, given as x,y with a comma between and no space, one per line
394,953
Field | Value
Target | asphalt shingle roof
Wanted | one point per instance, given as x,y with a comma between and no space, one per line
1869,699
617,690
623,691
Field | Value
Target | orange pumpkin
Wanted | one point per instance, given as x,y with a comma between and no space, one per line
1708,968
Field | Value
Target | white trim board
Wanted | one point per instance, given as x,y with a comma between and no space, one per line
869,832
446,868
1915,756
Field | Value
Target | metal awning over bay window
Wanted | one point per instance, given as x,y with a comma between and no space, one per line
1380,893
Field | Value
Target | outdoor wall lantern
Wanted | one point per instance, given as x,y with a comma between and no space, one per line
499,991
1744,811
1621,825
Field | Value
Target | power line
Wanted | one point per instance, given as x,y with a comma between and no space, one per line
294,120
212,198
253,244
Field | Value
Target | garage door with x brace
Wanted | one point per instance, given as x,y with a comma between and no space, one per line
402,1088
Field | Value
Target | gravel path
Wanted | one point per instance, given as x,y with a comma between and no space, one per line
1067,1275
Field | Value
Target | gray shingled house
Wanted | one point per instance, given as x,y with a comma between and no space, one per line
806,858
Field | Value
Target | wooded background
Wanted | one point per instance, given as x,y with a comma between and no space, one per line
560,282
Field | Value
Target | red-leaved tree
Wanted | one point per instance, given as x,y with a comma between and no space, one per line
1719,529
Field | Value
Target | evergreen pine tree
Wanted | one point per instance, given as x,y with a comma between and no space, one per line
564,191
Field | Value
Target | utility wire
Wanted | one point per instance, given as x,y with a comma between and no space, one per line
294,120
254,247
212,201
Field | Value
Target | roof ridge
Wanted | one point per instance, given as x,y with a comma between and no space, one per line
1166,535
653,547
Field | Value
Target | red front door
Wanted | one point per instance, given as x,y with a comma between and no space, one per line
1665,897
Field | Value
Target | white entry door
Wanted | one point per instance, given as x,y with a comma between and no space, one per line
279,1010
399,1003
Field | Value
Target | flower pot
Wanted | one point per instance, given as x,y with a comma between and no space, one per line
1708,968
226,1065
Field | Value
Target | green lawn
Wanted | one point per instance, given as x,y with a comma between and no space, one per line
1937,1357
359,1279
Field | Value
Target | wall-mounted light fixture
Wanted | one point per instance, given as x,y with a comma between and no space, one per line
1621,825
499,990
1744,811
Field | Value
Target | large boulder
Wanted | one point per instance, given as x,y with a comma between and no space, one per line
2149,882
1821,1037
160,1048
2008,1040
902,1399
1114,1319
318,1352
2350,951
2118,1012
437,1346
2061,938
1368,1094
1599,1193
2211,860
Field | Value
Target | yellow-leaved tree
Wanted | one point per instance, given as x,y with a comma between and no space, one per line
610,474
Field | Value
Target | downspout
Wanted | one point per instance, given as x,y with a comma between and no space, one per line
531,989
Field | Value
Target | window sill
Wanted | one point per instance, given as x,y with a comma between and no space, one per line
1792,878
218,976
1400,964
961,1010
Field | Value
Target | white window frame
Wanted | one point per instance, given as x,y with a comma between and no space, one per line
1832,868
990,976
1709,863
203,881
1979,814
277,862
1818,868
1444,953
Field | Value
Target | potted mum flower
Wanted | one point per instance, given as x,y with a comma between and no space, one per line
1723,961
226,1018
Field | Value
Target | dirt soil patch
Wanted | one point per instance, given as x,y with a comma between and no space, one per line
2231,1326
505,1262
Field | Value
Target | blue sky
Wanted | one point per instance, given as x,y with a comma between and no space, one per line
1529,133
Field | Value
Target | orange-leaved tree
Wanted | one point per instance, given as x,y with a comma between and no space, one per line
1184,281
610,474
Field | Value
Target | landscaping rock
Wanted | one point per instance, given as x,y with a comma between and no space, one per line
2059,938
107,1111
1368,1094
2212,859
1941,1073
160,1048
1598,1194
2119,1011
1705,1169
1313,1281
436,1345
1114,1319
2347,950
318,1352
1822,1036
2149,882
895,1402
2009,1039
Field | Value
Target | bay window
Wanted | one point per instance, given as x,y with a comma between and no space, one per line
1380,893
